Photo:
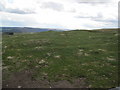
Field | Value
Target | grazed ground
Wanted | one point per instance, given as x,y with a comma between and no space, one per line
24,80
61,59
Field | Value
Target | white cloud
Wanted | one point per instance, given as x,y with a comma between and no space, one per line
71,14
53,5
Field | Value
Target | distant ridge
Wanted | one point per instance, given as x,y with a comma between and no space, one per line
30,29
27,29
102,29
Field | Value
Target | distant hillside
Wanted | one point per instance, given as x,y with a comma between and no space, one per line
107,29
26,29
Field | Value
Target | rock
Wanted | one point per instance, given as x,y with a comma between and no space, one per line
58,56
19,86
9,57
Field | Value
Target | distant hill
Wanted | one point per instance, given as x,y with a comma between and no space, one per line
26,29
104,29
30,29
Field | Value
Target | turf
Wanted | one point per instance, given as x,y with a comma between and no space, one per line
64,55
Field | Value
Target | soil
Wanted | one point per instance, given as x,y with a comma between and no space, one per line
24,80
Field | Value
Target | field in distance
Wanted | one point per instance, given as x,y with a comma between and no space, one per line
85,59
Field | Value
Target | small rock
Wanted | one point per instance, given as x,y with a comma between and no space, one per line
19,86
102,50
58,56
86,54
116,34
9,57
81,50
48,54
5,47
111,59
42,61
36,66
80,53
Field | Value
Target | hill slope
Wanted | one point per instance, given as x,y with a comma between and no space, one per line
59,57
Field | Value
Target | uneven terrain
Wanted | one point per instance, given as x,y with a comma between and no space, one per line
79,59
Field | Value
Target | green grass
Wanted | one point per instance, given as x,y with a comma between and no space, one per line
64,55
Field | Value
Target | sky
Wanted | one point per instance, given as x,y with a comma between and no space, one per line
59,14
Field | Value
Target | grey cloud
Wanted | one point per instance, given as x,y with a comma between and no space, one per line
92,1
16,10
98,18
53,5
105,20
2,7
99,15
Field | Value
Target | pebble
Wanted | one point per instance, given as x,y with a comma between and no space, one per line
19,86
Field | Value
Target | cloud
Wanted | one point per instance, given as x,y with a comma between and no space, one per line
92,1
18,11
70,14
52,5
99,15
2,7
6,7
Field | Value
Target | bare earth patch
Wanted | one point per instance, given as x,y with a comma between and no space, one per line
24,80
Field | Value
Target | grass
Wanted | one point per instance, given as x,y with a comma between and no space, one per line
64,55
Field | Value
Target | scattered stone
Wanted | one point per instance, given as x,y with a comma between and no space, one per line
80,53
36,66
111,59
81,50
116,34
30,56
102,50
45,74
38,47
86,54
58,56
7,85
5,47
23,60
103,75
9,57
42,61
90,86
49,54
19,86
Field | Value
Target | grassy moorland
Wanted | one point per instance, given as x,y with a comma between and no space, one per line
67,55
